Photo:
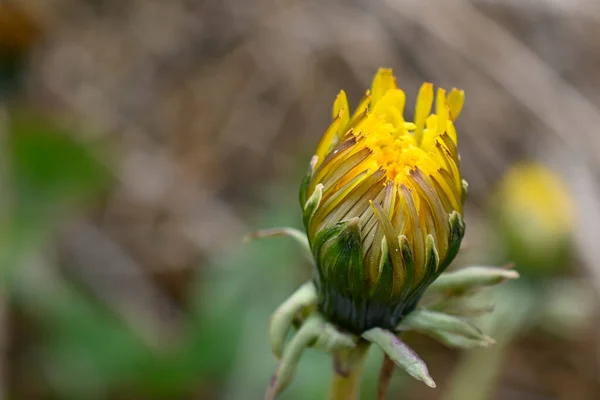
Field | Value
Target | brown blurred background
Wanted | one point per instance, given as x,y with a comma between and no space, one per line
190,123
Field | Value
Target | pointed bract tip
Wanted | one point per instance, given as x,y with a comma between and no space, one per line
313,163
404,243
512,274
429,382
353,222
488,340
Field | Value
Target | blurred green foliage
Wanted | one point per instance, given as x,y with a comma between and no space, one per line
85,350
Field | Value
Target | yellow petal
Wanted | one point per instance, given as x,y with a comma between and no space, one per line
327,140
340,103
383,82
440,100
390,107
431,122
409,126
441,110
430,132
424,103
428,140
341,109
451,131
456,99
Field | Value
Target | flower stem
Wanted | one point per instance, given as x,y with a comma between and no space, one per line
348,387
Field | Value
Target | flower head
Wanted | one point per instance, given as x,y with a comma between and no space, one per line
382,203
534,217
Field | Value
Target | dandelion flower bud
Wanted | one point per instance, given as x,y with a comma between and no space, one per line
382,203
534,218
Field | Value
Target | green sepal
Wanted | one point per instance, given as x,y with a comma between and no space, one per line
432,263
304,188
402,355
409,265
306,182
320,242
437,323
311,205
305,337
384,287
282,319
469,279
432,258
458,341
400,255
333,340
457,232
339,256
465,190
352,255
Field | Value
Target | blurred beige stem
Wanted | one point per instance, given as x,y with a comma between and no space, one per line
348,387
477,374
3,344
5,204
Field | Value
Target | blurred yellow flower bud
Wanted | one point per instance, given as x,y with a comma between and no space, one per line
382,203
535,217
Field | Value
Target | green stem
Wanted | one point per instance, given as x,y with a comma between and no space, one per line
348,387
